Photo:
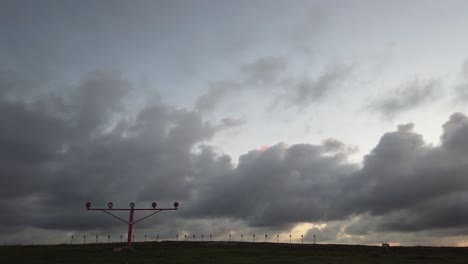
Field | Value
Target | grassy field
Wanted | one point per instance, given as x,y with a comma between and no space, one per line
224,252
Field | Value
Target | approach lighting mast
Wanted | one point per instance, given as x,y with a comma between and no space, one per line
132,210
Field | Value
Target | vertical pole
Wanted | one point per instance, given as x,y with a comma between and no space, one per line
314,239
130,229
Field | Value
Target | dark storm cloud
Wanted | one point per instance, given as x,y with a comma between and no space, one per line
409,96
413,186
403,178
60,149
278,186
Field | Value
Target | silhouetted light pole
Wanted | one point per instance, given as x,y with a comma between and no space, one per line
108,239
145,238
254,238
302,237
229,237
314,239
266,238
193,237
202,237
120,238
71,240
132,210
84,239
242,238
96,238
277,238
157,238
177,237
210,237
185,239
290,239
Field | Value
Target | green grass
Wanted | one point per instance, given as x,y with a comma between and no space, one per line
224,252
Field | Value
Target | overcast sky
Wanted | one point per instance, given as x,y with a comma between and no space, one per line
343,119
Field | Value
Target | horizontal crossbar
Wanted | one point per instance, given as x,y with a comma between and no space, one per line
129,209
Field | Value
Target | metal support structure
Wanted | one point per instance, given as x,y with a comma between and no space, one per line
131,220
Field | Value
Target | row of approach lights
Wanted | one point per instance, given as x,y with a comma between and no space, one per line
132,205
253,237
177,236
108,239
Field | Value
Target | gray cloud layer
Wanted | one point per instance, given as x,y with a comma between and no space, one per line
59,150
270,74
461,90
409,96
304,91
